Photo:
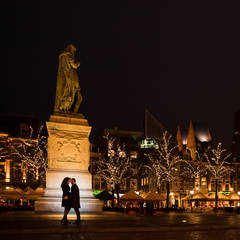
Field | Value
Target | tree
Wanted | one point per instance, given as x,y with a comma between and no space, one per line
114,164
218,166
195,169
32,153
164,162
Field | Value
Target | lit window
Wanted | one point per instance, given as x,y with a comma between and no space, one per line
149,143
204,181
122,154
133,154
141,181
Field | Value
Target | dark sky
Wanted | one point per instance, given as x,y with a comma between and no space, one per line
179,61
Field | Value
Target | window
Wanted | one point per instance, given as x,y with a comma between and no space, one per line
149,143
204,181
97,183
133,184
213,186
122,154
24,130
2,172
123,186
133,154
220,186
144,181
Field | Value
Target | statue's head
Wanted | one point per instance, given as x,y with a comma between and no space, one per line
70,48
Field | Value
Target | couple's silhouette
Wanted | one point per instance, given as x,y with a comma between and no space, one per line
70,198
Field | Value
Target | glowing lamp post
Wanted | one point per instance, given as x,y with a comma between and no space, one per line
171,194
191,193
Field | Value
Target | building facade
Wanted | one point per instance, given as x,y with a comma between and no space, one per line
131,141
236,150
13,131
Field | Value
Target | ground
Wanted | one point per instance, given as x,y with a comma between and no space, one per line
28,225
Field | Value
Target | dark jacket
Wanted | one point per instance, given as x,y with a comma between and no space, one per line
66,192
75,196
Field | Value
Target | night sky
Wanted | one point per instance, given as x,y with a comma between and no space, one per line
180,61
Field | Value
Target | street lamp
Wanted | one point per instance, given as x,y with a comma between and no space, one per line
191,193
171,194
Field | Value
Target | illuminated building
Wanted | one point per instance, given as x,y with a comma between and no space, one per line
236,150
236,138
13,130
196,138
131,141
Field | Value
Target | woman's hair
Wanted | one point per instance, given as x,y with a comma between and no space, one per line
65,181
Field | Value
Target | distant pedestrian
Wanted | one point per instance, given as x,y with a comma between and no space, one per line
75,199
147,208
151,211
66,201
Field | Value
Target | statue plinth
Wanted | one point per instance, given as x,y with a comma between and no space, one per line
68,156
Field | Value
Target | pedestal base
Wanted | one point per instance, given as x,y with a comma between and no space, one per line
68,156
51,201
53,205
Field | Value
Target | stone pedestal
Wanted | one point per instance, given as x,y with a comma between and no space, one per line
68,156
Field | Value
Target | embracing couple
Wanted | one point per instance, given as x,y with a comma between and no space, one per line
70,198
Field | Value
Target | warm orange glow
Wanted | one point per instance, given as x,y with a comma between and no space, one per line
7,170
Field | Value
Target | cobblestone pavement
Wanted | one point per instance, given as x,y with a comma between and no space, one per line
196,235
120,226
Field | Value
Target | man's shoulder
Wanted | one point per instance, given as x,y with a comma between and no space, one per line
75,186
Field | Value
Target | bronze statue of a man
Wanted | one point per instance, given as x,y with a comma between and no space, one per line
68,95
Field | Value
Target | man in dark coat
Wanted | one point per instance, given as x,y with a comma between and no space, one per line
75,199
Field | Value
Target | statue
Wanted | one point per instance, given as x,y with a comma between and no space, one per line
68,95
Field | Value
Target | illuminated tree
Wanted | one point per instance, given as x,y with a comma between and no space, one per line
32,153
114,164
165,162
218,166
195,169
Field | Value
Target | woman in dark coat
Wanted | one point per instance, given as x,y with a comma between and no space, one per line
66,198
